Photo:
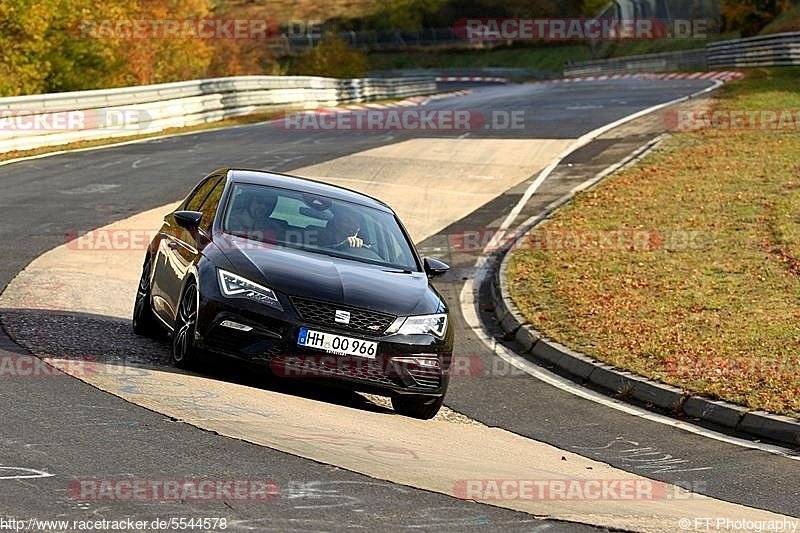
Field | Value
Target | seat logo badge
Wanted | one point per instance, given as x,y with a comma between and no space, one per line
342,317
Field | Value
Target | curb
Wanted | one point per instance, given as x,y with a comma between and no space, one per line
725,76
532,345
481,79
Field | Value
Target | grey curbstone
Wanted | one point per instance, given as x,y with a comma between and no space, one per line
775,427
572,362
495,290
610,378
512,321
721,413
544,351
526,338
500,311
658,394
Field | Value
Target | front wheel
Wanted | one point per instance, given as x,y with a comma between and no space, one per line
184,354
422,407
144,320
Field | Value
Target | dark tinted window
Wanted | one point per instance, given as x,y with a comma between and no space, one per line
211,204
196,201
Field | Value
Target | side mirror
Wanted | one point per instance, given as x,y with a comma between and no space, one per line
434,267
188,219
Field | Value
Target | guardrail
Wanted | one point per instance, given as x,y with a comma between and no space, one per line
780,49
662,62
30,122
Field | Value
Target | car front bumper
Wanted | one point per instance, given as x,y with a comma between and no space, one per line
403,364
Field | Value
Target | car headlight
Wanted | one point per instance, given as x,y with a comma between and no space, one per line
234,286
435,325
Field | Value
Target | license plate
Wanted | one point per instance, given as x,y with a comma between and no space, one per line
337,344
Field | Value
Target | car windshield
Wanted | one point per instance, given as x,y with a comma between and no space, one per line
318,224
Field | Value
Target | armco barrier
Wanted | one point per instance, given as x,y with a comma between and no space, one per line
664,62
139,110
780,49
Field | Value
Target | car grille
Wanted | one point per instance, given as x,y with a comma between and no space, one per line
316,367
361,320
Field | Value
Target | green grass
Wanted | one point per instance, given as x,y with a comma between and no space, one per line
720,319
549,59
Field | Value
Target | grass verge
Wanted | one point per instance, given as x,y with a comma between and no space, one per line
548,58
699,285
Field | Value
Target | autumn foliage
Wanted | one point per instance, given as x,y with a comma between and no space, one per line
43,50
332,57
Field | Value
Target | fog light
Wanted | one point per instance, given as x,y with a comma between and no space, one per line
430,361
235,325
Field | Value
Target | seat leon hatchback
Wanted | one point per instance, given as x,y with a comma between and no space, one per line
313,281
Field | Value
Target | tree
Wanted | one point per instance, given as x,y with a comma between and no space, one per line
751,16
23,47
331,57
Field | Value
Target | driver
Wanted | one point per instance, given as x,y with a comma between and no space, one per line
344,230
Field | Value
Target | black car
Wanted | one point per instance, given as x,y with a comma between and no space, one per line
311,280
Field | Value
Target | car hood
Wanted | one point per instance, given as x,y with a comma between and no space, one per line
341,281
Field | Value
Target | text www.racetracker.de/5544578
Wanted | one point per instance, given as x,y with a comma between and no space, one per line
128,524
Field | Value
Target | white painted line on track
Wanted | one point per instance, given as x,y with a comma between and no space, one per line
469,298
579,143
18,472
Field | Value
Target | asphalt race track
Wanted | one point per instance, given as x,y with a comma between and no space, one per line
70,430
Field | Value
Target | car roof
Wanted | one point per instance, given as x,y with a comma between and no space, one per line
295,183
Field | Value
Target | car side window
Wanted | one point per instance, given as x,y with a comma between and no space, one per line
196,201
211,204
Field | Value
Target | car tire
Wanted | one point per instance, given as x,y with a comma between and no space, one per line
144,319
184,353
422,407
